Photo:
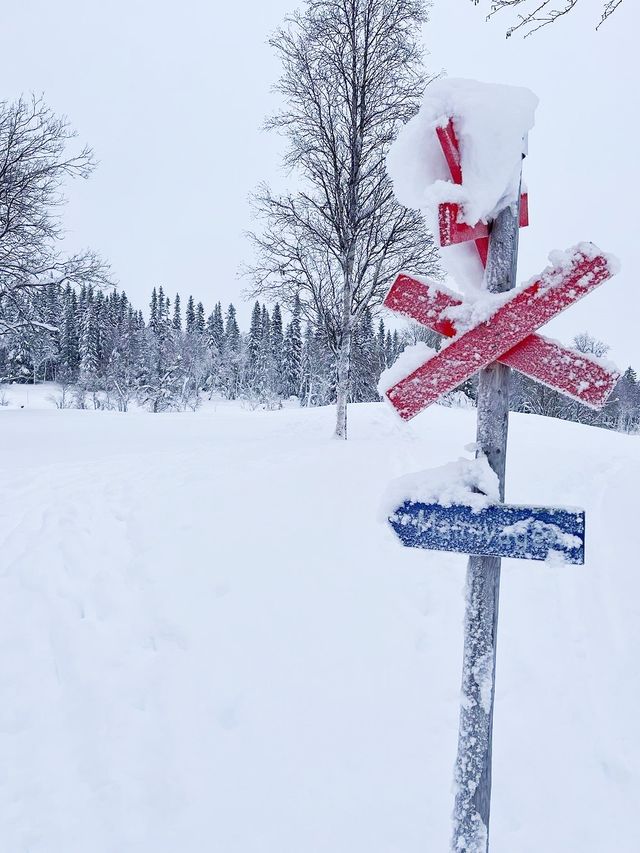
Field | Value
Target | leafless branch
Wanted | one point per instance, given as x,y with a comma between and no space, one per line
36,159
543,13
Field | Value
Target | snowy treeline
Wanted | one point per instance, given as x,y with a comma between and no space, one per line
103,353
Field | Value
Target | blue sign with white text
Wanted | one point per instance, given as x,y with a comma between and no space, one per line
497,530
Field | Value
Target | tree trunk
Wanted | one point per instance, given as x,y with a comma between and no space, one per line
344,366
342,385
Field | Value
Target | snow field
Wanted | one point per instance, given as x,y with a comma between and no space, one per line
210,643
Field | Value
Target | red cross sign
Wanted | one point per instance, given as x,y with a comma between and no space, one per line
502,328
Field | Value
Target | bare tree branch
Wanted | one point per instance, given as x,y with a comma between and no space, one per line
542,13
35,162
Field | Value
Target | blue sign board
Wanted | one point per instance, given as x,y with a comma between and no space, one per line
497,530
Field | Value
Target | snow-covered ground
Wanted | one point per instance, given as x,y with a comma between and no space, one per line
210,644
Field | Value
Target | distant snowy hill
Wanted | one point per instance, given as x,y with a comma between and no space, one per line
209,643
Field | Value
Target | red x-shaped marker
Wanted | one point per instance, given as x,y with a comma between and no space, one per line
505,336
452,229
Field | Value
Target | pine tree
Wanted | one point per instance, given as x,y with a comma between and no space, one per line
190,316
307,366
232,330
364,367
70,343
153,312
100,320
176,323
264,372
233,354
200,322
163,314
89,344
216,330
277,378
292,357
318,368
254,343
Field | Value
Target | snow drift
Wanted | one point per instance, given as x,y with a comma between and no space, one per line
209,642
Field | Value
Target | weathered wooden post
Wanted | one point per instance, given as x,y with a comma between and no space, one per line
473,763
461,508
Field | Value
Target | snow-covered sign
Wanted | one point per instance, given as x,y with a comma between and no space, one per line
457,508
452,228
583,377
498,530
459,161
494,328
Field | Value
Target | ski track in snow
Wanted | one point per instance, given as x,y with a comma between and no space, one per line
210,643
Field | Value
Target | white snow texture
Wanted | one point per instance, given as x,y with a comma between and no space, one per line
209,643
491,123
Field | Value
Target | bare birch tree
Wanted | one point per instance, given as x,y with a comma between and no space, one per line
352,74
536,14
34,163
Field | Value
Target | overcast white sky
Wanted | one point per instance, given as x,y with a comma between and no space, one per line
172,97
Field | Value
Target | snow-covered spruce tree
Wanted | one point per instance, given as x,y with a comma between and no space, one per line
70,338
124,354
265,372
254,344
215,349
308,362
276,379
89,343
365,373
215,328
352,74
292,356
176,322
36,158
200,319
153,312
190,316
160,384
234,361
192,362
626,397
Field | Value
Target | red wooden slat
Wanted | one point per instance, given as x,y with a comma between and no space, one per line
451,150
423,301
524,210
566,370
482,245
512,323
453,231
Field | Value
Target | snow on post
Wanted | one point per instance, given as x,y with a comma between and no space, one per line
459,161
491,125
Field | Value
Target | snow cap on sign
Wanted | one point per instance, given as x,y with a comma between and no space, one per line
491,122
467,482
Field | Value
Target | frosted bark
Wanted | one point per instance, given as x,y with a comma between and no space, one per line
342,384
473,763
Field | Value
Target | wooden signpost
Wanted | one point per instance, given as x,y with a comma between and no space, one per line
490,338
